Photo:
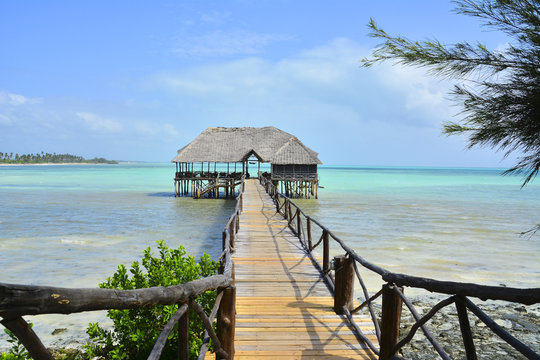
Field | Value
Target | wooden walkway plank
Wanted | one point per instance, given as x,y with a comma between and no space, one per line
284,308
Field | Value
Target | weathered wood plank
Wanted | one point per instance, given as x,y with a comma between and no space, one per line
284,309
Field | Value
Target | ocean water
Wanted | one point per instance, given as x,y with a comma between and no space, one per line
448,224
71,225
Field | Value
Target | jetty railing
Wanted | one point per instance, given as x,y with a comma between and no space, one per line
18,300
341,271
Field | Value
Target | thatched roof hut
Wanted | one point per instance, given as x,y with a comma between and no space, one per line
268,144
293,164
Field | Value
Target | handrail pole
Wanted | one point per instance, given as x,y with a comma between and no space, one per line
326,252
226,321
287,210
308,229
183,337
298,224
224,240
232,233
390,320
368,301
28,338
466,332
344,284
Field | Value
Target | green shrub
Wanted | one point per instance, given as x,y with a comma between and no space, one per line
136,331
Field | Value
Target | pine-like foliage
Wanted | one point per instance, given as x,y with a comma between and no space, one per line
500,106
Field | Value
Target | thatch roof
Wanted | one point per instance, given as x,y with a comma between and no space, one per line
269,144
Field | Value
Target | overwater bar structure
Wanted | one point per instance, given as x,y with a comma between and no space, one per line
213,164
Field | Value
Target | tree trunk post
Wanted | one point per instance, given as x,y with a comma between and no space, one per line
183,336
287,215
344,284
298,223
227,320
391,317
28,338
308,227
232,233
466,333
326,252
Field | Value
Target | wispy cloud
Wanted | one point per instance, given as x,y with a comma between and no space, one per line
98,123
154,129
17,99
224,43
418,91
215,17
331,66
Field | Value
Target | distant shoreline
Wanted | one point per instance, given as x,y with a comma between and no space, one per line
53,164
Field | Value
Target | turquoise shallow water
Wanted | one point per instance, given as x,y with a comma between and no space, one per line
72,225
450,224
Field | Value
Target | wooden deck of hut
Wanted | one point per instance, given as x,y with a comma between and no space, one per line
284,309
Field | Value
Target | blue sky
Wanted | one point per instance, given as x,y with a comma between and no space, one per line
134,80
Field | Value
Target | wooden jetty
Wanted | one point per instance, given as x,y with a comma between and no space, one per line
284,310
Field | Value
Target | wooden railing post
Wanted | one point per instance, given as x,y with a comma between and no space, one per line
344,284
28,338
466,333
232,232
224,240
289,211
390,319
226,321
308,227
183,337
326,252
298,224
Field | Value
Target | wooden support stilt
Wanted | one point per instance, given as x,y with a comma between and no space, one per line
344,284
298,224
466,332
226,321
28,338
308,229
183,337
326,252
391,317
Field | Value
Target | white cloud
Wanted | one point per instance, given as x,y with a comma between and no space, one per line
319,90
221,43
420,92
215,17
97,123
170,129
155,129
17,99
331,66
